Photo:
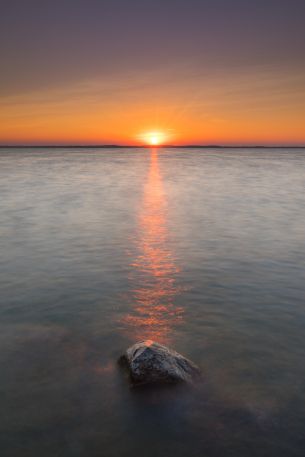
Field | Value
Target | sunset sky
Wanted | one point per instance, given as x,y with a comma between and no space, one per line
111,71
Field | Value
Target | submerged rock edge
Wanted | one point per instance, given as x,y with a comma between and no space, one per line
149,362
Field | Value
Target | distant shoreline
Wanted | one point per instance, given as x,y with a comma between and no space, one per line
115,146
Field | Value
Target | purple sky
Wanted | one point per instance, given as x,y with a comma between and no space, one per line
49,45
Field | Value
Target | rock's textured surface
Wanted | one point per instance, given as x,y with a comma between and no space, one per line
151,363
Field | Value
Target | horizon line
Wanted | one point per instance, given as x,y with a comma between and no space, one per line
171,146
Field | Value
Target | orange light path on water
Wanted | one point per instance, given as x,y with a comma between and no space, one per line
154,313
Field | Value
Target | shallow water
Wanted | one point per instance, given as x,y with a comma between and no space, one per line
202,249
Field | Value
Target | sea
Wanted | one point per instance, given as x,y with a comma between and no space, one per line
200,249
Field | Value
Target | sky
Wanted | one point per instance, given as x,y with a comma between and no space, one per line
116,71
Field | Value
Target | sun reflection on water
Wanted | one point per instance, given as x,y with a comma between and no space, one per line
154,267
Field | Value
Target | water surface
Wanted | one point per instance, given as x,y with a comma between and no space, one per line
201,249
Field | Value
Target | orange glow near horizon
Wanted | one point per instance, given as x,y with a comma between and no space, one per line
239,110
154,267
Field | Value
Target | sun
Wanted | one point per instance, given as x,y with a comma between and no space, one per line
154,138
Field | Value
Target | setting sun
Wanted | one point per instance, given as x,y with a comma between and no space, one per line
155,138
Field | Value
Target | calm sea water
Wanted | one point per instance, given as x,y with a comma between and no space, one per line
201,249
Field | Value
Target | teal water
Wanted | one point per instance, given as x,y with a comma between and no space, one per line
201,249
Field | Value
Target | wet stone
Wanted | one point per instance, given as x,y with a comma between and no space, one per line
149,362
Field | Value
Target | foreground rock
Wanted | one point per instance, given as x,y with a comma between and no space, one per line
151,363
